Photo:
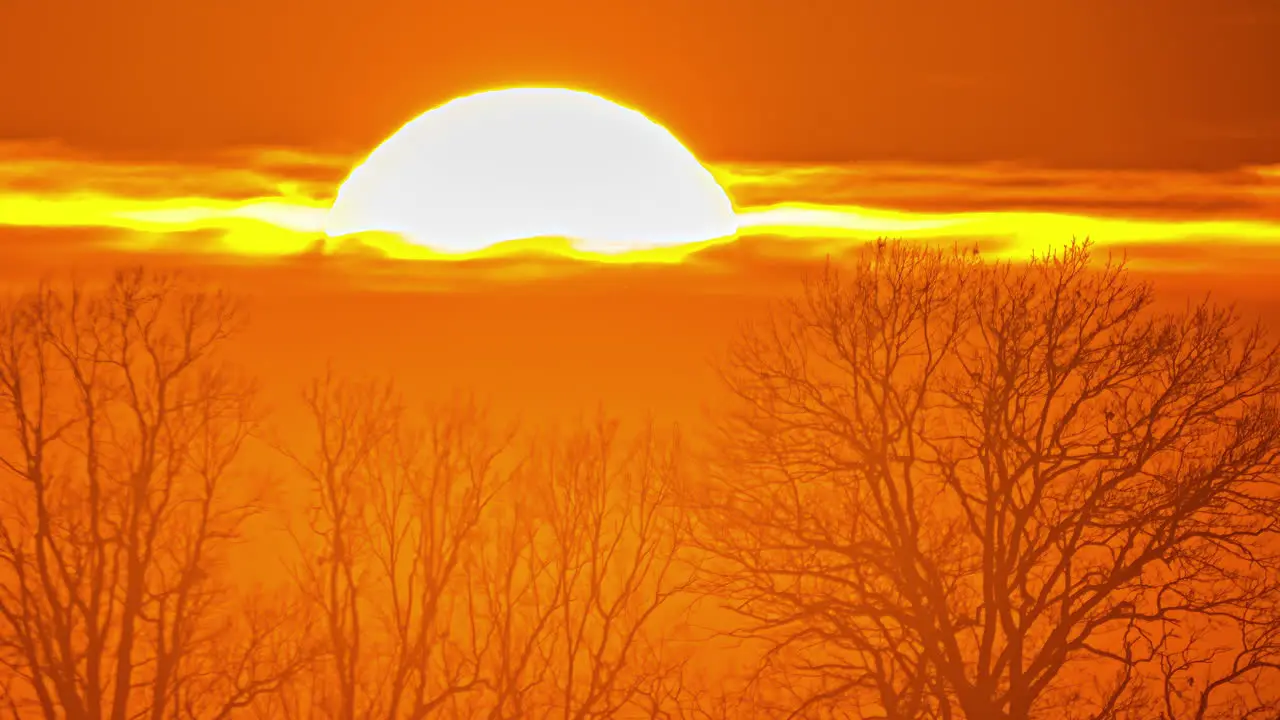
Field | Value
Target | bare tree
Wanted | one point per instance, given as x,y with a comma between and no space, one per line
257,651
121,494
397,511
585,582
954,489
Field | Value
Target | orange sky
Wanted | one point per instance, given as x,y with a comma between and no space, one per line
213,135
1092,83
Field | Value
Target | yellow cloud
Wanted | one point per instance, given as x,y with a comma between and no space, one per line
273,203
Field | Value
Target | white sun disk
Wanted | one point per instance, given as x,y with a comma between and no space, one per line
533,162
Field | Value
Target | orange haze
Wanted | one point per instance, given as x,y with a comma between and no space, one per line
545,333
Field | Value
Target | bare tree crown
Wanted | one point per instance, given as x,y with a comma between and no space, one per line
958,489
121,492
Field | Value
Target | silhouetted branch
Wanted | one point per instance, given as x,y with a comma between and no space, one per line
957,488
122,433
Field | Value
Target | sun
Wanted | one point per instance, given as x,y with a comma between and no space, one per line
526,163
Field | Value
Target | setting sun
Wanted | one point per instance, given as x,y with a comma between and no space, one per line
533,162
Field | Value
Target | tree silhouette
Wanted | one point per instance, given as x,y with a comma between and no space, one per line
944,489
457,578
957,489
395,518
585,580
121,494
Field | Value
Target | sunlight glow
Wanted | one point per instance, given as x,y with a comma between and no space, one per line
1017,234
269,204
533,162
274,226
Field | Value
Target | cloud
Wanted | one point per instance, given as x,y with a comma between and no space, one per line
269,205
1244,193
